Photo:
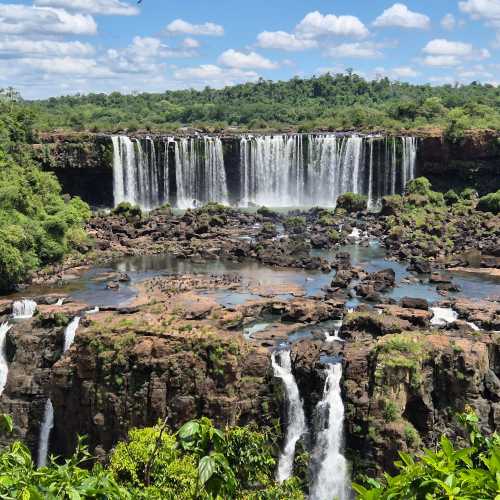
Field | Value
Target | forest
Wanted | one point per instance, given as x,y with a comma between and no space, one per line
328,102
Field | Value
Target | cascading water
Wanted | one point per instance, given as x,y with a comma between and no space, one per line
4,366
70,332
44,438
328,465
296,421
277,171
23,309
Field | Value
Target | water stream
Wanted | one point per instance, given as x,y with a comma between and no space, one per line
328,464
23,309
44,438
4,366
296,421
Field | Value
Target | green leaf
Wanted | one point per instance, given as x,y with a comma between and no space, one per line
6,424
206,469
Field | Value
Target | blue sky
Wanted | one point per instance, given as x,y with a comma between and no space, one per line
54,47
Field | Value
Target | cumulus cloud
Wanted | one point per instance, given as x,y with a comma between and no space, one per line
441,61
181,27
400,16
27,20
316,25
404,72
449,22
284,41
18,47
445,53
489,10
69,66
251,60
442,47
190,43
362,50
100,7
210,74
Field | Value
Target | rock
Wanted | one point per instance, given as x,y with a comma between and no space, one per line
113,285
414,303
439,278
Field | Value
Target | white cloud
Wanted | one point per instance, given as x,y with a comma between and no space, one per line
449,22
252,60
12,47
26,20
441,61
69,66
100,7
210,74
442,47
144,55
400,16
488,10
363,50
316,24
404,72
190,43
284,41
181,27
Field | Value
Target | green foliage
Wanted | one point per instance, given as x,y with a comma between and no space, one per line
327,102
490,203
450,197
352,202
127,210
70,479
447,473
458,121
420,185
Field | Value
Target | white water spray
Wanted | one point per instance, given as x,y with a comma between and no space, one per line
70,332
44,438
336,333
330,477
296,420
4,366
23,309
443,316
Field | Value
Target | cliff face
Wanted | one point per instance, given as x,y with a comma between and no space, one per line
83,164
473,162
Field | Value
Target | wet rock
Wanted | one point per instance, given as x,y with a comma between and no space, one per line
414,303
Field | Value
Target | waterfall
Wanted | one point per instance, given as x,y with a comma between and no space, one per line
200,171
4,366
23,309
296,421
44,438
329,467
70,332
273,170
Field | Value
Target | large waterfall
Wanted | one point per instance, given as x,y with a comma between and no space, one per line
44,438
282,366
4,366
329,467
283,170
142,171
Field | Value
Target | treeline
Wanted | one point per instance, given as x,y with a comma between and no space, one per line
329,102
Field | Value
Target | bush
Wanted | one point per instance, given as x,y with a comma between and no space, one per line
450,197
490,203
420,185
127,210
352,202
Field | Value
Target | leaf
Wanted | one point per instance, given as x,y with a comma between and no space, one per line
6,424
206,469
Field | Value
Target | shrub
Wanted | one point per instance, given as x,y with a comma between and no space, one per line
127,210
420,185
490,203
352,202
450,197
